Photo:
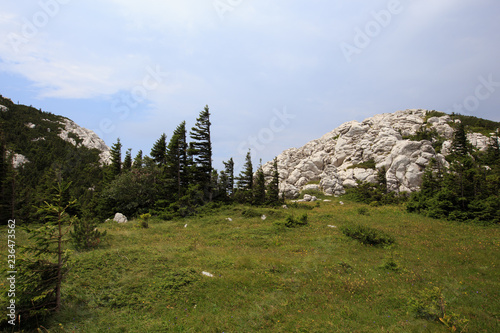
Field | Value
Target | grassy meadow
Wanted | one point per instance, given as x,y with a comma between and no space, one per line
270,278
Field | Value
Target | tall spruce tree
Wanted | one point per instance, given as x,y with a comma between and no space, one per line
177,160
116,160
138,162
245,181
201,151
42,274
229,174
460,144
127,162
259,187
273,190
159,151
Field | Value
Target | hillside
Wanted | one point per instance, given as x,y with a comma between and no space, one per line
39,144
269,278
402,143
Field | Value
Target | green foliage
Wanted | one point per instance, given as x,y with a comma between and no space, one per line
23,188
201,151
259,188
85,234
477,125
116,161
312,192
177,161
370,164
127,162
363,211
468,190
251,212
431,305
433,113
244,193
298,205
294,222
132,192
144,220
368,235
138,161
377,194
159,151
43,266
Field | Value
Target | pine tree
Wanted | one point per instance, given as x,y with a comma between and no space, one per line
229,175
177,160
127,162
273,191
201,151
460,144
259,187
116,161
138,163
42,274
159,151
245,181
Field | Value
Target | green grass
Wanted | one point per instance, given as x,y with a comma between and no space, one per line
271,279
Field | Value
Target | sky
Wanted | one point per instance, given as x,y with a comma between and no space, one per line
275,74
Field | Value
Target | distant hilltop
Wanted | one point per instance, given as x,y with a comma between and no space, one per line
34,125
355,151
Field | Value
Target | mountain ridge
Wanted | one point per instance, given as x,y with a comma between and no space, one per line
337,160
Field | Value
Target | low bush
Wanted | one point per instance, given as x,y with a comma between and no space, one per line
85,234
292,222
431,305
368,235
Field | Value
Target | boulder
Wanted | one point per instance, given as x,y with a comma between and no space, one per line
120,218
335,159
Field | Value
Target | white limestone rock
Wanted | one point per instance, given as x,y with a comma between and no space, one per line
333,159
120,218
18,160
88,137
3,108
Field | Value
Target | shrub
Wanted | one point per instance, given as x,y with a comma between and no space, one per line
370,164
250,212
85,234
300,206
292,222
431,305
363,211
144,220
368,235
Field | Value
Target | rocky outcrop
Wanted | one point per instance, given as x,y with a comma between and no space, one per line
87,138
18,160
3,108
120,218
356,150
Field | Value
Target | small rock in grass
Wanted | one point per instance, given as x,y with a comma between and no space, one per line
263,217
207,274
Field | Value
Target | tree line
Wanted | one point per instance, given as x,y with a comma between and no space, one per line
178,177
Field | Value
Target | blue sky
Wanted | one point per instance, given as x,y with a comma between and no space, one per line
275,74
